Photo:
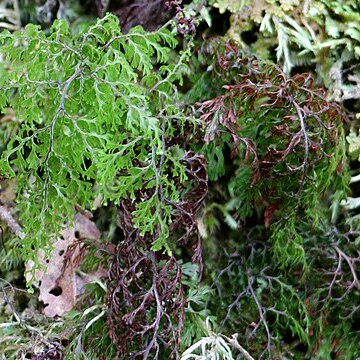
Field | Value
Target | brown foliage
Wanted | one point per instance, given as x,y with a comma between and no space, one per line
146,297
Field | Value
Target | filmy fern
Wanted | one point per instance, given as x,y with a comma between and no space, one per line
277,151
287,143
94,114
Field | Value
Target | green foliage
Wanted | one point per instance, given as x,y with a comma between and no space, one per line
10,255
262,305
29,333
287,244
324,33
89,326
284,311
94,113
197,315
100,119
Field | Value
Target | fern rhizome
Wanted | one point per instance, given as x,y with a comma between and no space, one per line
102,117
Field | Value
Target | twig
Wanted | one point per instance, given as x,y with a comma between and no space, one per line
9,220
351,263
235,344
262,313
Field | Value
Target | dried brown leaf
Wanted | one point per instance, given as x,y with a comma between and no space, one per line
60,285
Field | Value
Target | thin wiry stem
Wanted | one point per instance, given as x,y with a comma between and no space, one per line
262,313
